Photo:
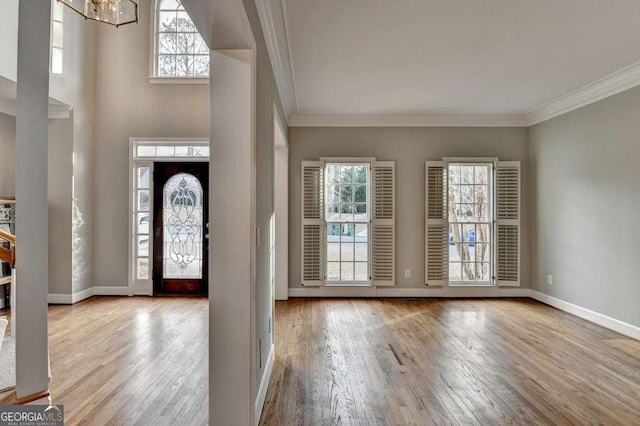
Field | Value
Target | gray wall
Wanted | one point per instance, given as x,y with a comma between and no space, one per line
7,154
410,148
128,105
586,204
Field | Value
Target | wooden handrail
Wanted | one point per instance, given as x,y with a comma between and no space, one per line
10,238
8,255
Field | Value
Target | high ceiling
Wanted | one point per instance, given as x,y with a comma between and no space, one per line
449,56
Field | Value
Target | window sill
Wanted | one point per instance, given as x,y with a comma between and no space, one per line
348,284
178,80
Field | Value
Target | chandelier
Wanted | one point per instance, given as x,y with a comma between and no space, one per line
112,12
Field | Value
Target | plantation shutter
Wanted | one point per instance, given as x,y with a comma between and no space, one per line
508,223
436,224
383,223
312,223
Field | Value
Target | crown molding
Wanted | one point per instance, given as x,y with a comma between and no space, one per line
56,111
424,120
279,54
612,84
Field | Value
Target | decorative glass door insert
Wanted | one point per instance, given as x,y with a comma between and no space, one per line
183,227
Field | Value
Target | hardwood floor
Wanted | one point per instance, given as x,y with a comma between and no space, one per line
486,362
129,361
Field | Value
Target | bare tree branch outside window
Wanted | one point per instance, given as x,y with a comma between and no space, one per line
181,51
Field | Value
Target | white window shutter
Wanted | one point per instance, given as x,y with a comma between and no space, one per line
383,223
508,215
312,223
436,224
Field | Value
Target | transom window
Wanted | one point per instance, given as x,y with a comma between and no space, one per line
347,216
57,37
180,51
470,223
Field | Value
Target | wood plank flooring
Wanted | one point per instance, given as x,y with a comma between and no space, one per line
126,361
485,362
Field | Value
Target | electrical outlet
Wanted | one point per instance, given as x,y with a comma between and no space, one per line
407,273
550,279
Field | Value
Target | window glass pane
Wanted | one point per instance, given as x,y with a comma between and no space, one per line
184,22
346,252
142,266
333,193
454,175
58,11
346,271
346,212
468,271
466,193
346,193
168,22
143,223
143,177
57,34
481,196
143,200
360,174
482,174
202,151
482,212
466,174
333,271
146,151
182,151
333,212
56,60
333,252
360,213
482,272
482,233
346,174
165,151
361,271
362,252
360,194
482,252
455,271
333,174
455,233
166,65
466,213
167,43
142,246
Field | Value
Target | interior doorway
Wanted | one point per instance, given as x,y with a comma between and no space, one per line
180,228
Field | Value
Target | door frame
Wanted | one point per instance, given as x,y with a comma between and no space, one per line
145,286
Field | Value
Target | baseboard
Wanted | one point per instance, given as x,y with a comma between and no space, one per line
264,384
111,291
602,320
70,299
453,292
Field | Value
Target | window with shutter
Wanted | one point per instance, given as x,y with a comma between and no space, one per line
312,222
383,223
508,223
436,224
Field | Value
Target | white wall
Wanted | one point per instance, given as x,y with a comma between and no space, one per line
410,148
127,105
585,200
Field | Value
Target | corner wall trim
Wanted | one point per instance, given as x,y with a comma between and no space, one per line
612,84
264,384
602,320
419,120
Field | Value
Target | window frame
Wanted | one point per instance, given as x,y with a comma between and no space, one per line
348,161
154,78
476,161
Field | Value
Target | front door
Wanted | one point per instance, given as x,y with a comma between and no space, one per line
180,228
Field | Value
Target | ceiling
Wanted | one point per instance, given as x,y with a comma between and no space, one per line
430,57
